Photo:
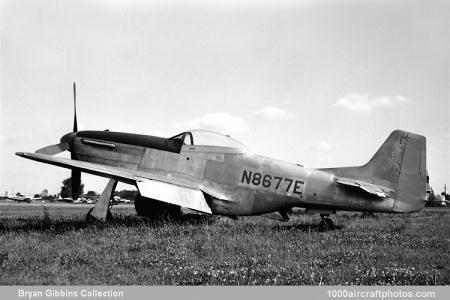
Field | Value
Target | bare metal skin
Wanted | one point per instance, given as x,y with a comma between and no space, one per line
225,178
235,182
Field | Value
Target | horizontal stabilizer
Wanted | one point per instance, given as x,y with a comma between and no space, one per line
174,194
365,186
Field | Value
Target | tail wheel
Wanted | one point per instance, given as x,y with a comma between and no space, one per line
326,224
152,208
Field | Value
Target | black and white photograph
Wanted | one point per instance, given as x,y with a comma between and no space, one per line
224,143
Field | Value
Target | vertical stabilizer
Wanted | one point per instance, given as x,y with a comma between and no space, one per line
400,165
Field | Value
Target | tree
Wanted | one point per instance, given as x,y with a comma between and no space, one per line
44,193
431,196
66,189
91,194
126,194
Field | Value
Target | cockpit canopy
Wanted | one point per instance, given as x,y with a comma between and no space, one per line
201,137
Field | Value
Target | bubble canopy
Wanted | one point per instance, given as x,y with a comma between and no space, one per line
201,137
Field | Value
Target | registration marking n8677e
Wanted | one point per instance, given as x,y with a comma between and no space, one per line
274,182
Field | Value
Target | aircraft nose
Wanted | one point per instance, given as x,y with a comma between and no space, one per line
68,138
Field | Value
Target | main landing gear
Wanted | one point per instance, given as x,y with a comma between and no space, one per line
101,210
326,224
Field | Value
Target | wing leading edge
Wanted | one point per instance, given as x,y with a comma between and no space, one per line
168,189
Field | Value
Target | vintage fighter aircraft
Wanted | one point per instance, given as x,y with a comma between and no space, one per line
214,174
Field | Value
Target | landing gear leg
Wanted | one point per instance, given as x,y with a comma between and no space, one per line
326,223
101,210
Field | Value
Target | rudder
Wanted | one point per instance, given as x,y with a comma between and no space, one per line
411,188
400,163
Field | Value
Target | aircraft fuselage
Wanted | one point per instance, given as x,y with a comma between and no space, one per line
253,184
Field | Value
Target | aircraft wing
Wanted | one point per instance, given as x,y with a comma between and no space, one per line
168,187
370,188
87,167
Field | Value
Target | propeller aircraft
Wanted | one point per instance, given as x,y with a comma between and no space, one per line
214,174
19,197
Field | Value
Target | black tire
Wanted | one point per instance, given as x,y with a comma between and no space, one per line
151,208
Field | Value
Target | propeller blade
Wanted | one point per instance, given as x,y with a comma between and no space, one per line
75,125
76,174
53,149
76,181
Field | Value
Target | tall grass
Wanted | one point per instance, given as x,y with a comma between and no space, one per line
53,248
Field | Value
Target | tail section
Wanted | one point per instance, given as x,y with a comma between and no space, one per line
400,165
412,182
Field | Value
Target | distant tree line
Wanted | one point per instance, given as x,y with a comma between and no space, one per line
126,194
66,191
123,194
91,194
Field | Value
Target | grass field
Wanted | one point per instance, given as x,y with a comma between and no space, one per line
52,245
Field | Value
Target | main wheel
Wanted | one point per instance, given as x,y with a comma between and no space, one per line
152,208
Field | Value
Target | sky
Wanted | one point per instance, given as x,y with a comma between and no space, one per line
320,83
